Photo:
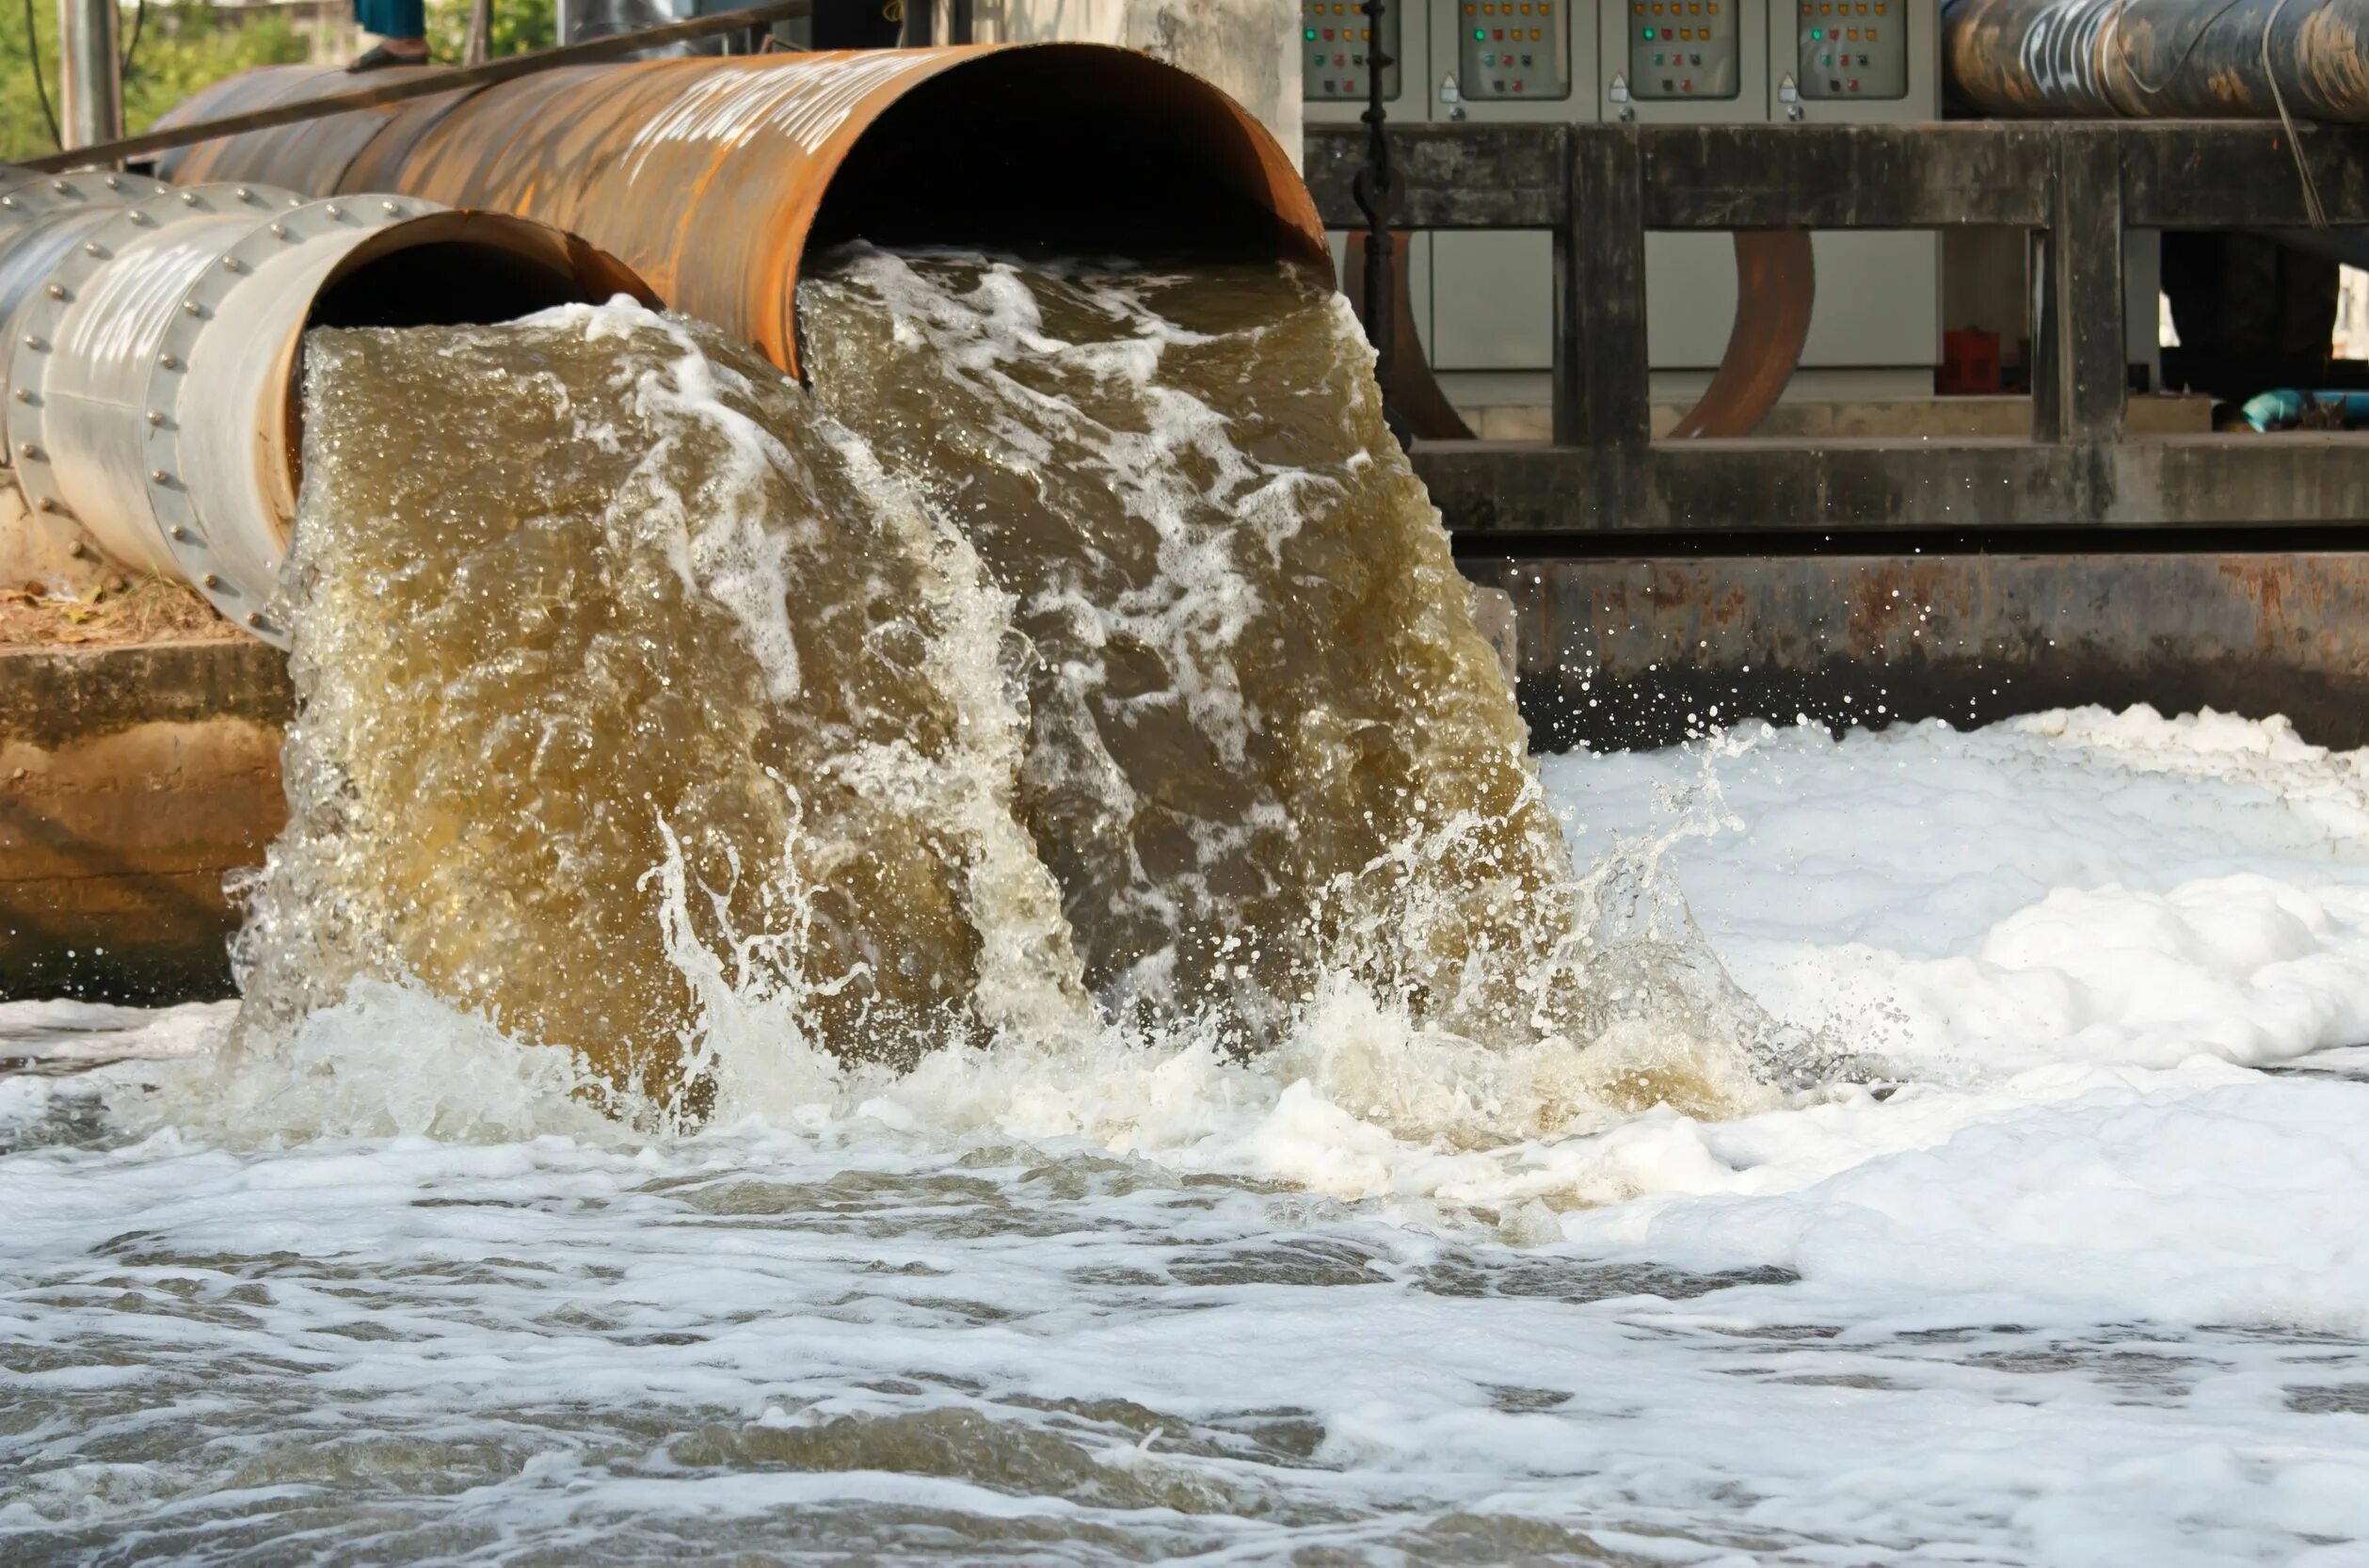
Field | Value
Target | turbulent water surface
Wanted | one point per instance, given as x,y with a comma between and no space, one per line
966,965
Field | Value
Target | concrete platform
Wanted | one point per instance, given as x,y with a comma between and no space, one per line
131,780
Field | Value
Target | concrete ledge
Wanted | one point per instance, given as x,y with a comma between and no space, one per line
1643,652
131,780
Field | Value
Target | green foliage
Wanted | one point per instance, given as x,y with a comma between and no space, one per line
517,26
182,48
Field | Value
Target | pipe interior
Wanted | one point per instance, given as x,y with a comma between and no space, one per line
1051,150
447,284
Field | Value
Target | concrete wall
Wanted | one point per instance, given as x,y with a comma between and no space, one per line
1246,47
1621,653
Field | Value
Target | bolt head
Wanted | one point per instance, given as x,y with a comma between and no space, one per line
390,208
334,210
61,187
134,218
28,450
9,202
156,416
229,263
159,475
179,532
35,343
55,291
113,183
242,194
46,504
253,619
167,362
93,247
22,395
190,307
280,230
188,198
211,581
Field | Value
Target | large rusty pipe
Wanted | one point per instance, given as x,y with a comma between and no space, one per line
152,377
2159,59
715,179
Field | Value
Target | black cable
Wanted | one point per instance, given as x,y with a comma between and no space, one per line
139,19
33,48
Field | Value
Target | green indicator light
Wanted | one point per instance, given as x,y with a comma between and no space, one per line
1479,34
1312,35
1816,34
1649,34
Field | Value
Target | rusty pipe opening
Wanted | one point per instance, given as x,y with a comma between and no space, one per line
1069,149
717,179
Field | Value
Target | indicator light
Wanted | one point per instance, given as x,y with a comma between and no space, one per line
1649,34
1311,35
1477,33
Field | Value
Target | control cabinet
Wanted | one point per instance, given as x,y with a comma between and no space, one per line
1683,48
1336,37
1513,51
1484,300
1852,49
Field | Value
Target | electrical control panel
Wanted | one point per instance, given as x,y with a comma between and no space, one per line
1336,39
1514,49
1852,49
1680,49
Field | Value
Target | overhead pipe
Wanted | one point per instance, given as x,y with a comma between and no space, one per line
153,386
716,178
2160,60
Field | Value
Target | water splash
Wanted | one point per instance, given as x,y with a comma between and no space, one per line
1077,685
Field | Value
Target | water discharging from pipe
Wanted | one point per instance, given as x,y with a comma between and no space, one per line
1081,654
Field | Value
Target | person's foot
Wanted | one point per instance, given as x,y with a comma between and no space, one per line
392,51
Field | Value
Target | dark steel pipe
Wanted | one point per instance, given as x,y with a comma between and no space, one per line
2159,59
714,178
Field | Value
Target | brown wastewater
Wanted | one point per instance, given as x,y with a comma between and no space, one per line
1080,650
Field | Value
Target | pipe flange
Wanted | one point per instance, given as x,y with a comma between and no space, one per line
38,319
26,196
279,230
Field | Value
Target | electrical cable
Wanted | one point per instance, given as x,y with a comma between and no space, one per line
140,21
41,87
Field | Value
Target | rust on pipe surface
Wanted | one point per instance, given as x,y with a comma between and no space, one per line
714,178
397,84
309,155
1776,287
2159,59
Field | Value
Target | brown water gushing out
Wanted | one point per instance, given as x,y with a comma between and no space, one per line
1084,635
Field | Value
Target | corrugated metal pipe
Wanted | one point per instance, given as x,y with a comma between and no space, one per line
714,178
2159,59
155,334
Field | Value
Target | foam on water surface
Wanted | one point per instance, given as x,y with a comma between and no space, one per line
967,968
2047,1305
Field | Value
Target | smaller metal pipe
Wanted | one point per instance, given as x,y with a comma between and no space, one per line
151,386
89,72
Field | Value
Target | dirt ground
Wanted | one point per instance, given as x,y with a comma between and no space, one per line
148,610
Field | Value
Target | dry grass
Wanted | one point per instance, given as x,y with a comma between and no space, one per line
151,609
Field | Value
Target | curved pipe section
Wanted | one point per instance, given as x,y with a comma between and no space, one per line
715,177
1776,289
153,386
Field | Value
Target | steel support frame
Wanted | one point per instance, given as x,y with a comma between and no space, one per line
2075,185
